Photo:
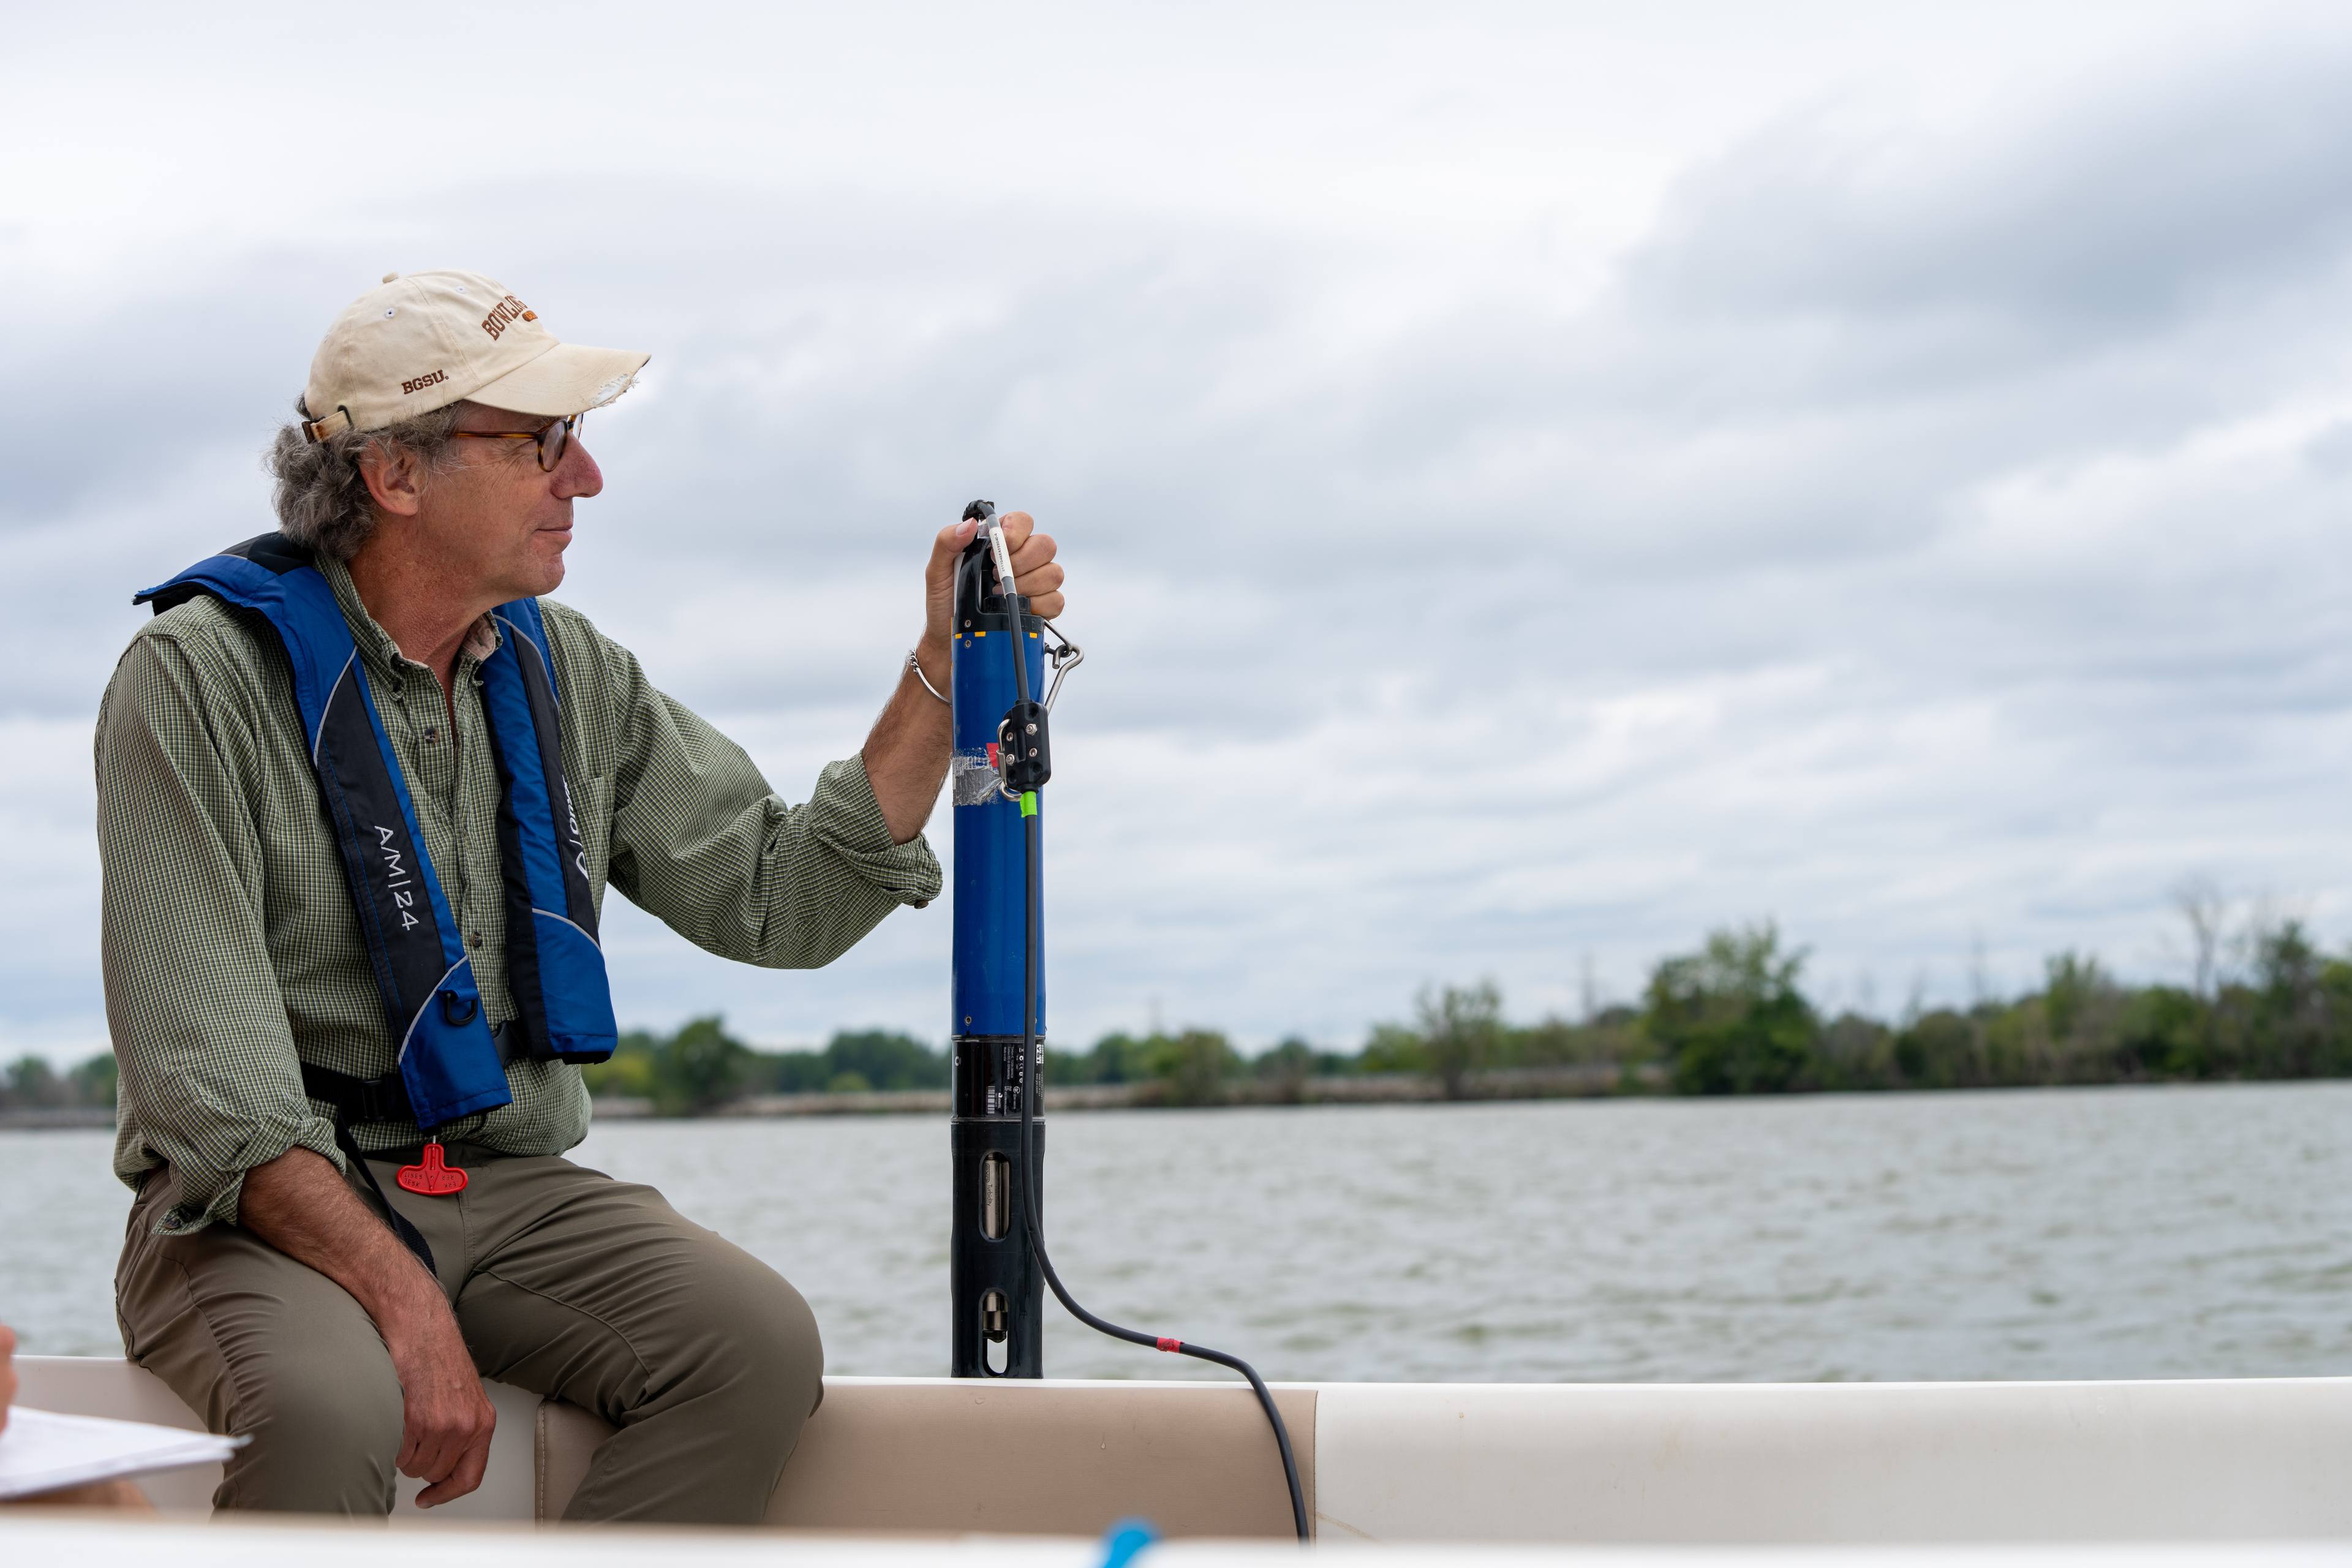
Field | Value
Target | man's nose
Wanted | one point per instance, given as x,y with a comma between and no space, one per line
577,475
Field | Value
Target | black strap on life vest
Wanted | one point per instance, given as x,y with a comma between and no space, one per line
359,1100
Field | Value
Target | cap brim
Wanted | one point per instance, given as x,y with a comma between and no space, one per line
567,379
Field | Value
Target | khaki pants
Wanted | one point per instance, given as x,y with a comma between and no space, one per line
566,1282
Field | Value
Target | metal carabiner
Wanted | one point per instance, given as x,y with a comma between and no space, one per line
1066,655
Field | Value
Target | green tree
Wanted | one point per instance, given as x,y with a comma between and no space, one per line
634,1070
798,1072
1393,1048
1194,1066
1855,1052
1116,1058
2075,985
1461,1030
703,1067
2336,1004
1936,1049
1612,1036
33,1084
1287,1066
1730,1018
1558,1042
94,1080
2291,1014
883,1059
2164,1033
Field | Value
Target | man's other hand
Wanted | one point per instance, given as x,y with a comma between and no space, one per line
1036,572
301,1204
446,1438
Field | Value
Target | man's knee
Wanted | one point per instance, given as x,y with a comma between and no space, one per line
737,1340
325,1432
758,1346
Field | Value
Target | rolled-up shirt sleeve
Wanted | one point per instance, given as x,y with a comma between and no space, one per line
210,1081
700,840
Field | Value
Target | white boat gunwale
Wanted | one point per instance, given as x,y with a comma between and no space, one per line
1687,1464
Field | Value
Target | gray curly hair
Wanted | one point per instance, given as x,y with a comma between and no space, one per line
323,498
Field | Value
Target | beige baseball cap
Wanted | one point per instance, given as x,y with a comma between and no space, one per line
422,341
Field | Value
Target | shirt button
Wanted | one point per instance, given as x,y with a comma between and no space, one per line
431,736
477,939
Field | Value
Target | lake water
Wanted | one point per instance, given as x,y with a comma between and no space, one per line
2053,1234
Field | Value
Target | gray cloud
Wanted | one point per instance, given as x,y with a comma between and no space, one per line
2103,219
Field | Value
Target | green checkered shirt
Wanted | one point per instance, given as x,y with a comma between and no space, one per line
232,953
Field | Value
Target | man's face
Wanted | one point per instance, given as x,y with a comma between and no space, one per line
498,521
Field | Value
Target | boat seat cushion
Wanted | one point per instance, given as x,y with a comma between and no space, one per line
889,1455
906,1455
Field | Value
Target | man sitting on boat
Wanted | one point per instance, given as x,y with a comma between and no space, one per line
360,792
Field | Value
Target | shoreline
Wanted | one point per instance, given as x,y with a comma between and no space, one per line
1599,1081
48,1118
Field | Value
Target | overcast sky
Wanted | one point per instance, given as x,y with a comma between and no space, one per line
1537,481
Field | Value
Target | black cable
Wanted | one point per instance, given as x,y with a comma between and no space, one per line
1032,1070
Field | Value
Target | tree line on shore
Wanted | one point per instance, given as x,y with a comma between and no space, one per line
32,1084
1730,1018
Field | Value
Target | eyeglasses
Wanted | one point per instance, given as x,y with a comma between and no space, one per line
554,439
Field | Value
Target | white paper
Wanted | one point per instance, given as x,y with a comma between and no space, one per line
41,1450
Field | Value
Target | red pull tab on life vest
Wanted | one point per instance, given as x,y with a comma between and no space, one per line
433,1179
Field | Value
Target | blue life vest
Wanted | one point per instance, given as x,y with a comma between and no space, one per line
449,1063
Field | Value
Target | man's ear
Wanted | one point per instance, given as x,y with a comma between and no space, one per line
395,479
